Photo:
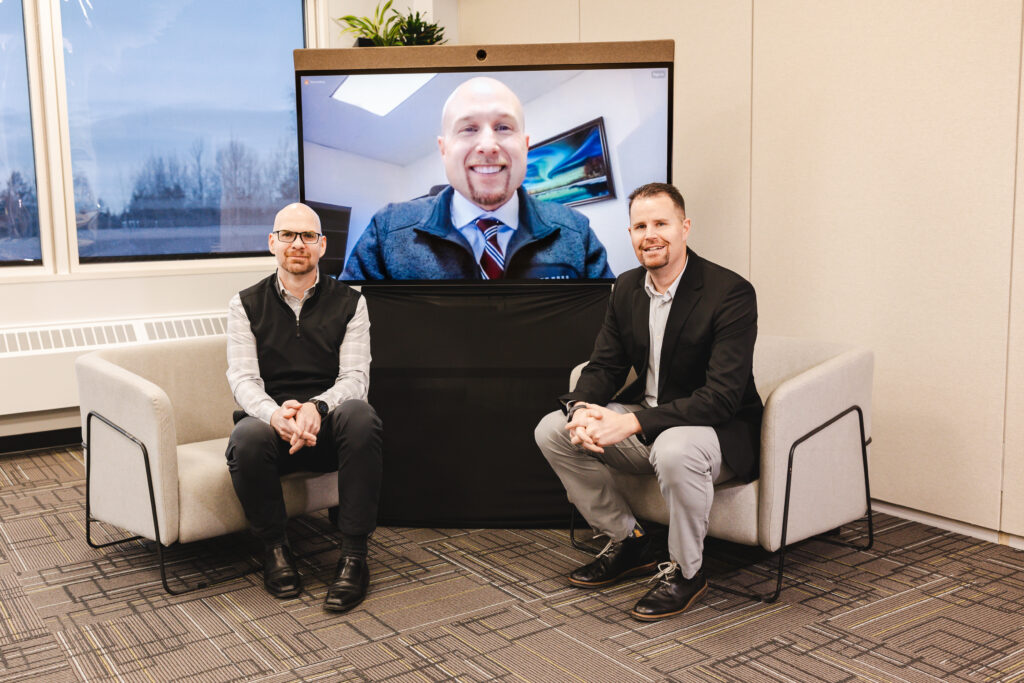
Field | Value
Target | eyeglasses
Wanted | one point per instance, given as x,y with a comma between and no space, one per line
309,237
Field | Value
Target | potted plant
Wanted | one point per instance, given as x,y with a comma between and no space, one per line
388,26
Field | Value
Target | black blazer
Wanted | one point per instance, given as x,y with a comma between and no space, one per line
707,356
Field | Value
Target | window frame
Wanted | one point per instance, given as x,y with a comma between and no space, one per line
47,89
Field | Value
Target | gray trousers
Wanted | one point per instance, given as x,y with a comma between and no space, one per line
686,460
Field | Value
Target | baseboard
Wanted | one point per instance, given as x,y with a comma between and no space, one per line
71,436
40,421
979,532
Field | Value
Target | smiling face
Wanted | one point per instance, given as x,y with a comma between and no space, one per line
483,144
297,258
658,230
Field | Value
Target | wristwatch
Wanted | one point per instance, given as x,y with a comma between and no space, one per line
321,406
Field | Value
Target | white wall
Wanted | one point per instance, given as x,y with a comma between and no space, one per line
1013,460
631,141
425,172
887,180
859,161
378,183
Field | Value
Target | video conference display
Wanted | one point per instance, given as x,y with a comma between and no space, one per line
371,166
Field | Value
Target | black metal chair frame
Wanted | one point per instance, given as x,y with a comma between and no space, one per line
152,504
772,597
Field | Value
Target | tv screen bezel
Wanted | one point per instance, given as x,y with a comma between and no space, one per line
484,58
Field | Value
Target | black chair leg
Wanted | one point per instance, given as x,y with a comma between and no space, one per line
864,443
143,451
576,543
202,583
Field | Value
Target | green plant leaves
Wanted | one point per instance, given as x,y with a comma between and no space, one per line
395,29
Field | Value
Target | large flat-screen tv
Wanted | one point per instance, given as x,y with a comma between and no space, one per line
596,122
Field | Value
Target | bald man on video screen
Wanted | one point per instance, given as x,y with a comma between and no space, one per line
483,225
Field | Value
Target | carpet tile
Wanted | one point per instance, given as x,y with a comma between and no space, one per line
922,605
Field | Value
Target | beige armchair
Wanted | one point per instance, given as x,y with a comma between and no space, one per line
814,458
156,419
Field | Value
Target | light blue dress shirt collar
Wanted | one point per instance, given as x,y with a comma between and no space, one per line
464,216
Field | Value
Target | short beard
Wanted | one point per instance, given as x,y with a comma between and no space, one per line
661,264
491,200
297,269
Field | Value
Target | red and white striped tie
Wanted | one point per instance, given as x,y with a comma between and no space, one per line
492,261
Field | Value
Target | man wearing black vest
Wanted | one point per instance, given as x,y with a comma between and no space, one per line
298,365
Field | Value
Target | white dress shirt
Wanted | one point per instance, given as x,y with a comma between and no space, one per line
656,320
244,369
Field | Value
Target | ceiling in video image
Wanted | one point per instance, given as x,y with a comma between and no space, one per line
594,135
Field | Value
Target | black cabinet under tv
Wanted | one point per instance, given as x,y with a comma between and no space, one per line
461,375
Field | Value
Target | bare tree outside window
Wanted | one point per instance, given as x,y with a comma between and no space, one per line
182,131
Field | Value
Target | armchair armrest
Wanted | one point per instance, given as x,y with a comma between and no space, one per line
118,491
828,487
574,376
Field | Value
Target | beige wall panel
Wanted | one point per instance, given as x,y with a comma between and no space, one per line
525,21
1013,472
711,145
882,199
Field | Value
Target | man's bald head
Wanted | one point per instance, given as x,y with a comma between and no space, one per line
296,213
480,88
483,142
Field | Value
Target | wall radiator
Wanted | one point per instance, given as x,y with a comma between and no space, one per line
37,364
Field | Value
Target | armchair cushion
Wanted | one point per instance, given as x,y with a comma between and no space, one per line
174,398
804,383
209,506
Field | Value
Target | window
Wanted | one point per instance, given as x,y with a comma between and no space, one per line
181,124
19,213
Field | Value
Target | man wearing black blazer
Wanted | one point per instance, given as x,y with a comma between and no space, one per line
692,417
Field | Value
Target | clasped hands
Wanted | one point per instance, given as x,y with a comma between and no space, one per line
297,423
593,427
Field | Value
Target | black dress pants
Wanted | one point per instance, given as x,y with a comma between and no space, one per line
349,442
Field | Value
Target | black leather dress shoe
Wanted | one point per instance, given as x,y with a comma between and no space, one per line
632,556
673,594
350,584
280,577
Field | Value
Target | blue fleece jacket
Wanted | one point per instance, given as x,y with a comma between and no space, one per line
416,241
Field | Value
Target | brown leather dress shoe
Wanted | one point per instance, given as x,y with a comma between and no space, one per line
351,582
672,595
280,577
632,556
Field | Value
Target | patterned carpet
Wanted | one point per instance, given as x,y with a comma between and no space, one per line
483,604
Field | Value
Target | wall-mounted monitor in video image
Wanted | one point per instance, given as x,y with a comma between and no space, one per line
572,168
597,119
